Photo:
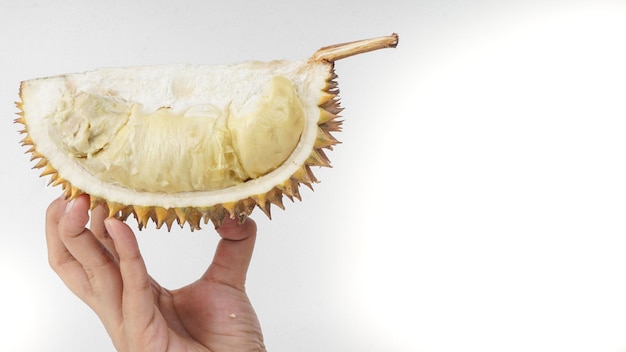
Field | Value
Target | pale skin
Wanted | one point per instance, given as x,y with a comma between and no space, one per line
103,266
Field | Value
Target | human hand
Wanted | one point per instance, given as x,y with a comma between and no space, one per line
103,266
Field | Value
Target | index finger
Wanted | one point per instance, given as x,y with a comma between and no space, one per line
58,255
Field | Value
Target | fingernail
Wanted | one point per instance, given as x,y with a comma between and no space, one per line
69,206
107,225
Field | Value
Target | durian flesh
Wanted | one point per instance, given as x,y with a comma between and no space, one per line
187,143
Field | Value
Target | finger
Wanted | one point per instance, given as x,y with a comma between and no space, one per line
81,242
98,215
59,258
98,281
233,254
138,298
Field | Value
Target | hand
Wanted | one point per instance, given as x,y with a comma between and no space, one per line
103,267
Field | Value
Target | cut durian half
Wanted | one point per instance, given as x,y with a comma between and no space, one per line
187,143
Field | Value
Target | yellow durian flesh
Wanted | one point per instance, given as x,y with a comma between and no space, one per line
204,147
187,143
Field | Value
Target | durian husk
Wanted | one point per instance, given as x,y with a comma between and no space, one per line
194,216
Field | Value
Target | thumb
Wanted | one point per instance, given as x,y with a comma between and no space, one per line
233,254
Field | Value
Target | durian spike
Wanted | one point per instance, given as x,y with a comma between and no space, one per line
325,140
193,219
217,215
34,154
93,203
115,208
264,204
181,215
336,52
302,175
49,170
125,213
142,214
160,216
244,209
74,192
275,196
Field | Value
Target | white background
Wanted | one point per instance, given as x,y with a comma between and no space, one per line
477,203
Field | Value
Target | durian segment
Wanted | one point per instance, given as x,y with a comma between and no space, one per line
265,135
207,147
187,144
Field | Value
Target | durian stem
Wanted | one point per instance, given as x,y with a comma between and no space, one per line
339,51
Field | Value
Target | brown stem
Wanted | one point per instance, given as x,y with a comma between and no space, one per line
339,51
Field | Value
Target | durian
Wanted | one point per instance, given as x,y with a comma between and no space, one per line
187,143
